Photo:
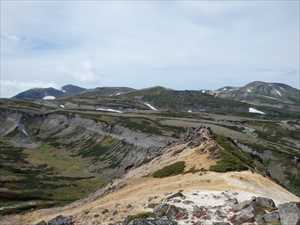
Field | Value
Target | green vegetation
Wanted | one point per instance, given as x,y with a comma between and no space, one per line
170,170
294,183
182,101
100,149
46,175
141,124
231,158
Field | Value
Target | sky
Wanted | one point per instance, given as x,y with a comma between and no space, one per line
177,44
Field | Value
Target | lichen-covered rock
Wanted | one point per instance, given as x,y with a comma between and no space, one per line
289,213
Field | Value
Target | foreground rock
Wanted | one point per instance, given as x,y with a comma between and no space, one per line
203,210
290,213
59,220
160,221
171,212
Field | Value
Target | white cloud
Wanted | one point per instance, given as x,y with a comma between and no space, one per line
144,43
84,71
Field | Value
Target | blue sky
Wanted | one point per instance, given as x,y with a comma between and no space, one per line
178,44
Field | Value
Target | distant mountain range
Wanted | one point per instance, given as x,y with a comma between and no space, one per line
49,93
68,90
275,95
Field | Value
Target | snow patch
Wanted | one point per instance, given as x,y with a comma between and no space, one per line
253,110
190,111
48,97
278,92
282,88
249,90
25,132
62,106
150,106
64,91
117,94
108,110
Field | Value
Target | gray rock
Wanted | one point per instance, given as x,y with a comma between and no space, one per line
220,214
200,212
265,203
289,213
176,195
268,218
61,220
171,212
244,216
232,201
220,223
260,204
272,217
240,206
160,221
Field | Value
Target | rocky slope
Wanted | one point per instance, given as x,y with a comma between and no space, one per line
46,154
192,195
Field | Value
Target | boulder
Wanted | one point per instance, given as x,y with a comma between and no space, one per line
289,213
160,221
61,220
265,203
260,204
268,218
246,215
171,212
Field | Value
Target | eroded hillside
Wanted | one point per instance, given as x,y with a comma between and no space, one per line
53,156
182,170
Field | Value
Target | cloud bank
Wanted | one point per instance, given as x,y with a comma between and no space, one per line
180,44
